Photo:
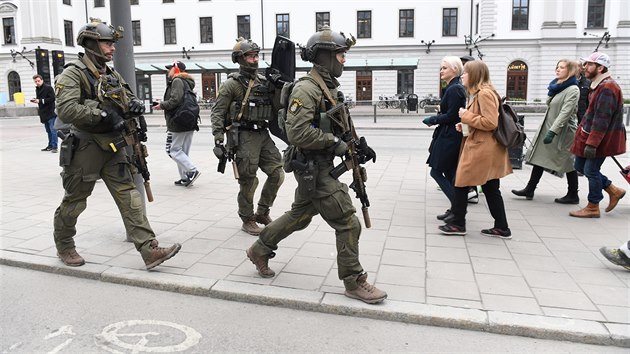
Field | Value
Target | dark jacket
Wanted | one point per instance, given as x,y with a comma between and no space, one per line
444,148
46,105
584,84
173,97
602,125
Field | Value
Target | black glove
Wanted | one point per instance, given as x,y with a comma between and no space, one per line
275,77
219,151
549,137
590,151
136,107
364,152
113,119
347,136
340,148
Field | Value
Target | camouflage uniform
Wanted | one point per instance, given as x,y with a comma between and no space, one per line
255,149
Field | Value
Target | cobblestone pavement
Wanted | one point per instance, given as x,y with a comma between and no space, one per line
549,281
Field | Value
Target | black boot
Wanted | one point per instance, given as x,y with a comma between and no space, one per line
570,198
527,192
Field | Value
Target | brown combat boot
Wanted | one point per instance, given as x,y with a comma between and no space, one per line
366,292
251,227
263,218
591,210
71,258
614,194
261,263
160,254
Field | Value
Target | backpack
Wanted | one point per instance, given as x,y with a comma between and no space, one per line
186,115
287,88
510,132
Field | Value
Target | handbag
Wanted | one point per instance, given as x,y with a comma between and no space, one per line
509,132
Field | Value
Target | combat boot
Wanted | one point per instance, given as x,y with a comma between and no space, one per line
591,210
614,194
261,263
366,292
250,226
158,254
263,218
71,258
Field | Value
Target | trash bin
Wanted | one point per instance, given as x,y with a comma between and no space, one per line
18,97
516,153
412,102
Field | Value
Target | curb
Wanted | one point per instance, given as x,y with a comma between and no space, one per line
535,326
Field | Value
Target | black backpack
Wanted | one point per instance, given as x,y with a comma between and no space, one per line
186,115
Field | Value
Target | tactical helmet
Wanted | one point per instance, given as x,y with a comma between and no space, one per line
98,31
328,40
242,47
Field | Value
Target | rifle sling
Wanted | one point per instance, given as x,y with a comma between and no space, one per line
320,81
249,90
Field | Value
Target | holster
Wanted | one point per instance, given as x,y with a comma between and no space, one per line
305,170
67,148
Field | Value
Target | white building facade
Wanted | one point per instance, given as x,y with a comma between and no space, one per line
399,43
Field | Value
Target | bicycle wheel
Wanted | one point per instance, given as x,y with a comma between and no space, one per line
422,103
395,104
381,104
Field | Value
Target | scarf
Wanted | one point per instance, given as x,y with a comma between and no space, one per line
555,88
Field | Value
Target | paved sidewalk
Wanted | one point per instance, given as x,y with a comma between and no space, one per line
549,281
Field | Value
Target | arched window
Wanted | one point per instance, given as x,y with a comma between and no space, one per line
14,84
517,81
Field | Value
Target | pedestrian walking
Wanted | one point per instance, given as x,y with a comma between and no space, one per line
247,98
45,99
89,151
178,137
550,147
483,160
318,192
600,134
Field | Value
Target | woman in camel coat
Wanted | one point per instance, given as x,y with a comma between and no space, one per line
483,160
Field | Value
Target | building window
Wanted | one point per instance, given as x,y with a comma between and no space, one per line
405,27
136,32
596,11
67,2
449,22
321,19
282,25
520,14
8,28
170,35
99,3
15,84
242,23
68,32
133,2
364,24
205,29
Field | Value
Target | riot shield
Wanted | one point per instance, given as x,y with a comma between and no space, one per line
283,58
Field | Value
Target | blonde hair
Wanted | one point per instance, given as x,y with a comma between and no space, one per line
478,77
573,68
454,63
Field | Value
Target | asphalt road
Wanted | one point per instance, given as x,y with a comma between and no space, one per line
49,313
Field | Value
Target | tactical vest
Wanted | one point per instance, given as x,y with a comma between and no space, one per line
259,105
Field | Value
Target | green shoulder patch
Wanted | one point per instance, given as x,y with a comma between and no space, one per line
295,106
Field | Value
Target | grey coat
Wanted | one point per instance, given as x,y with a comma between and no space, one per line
561,118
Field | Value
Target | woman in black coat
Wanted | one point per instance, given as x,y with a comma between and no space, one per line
444,148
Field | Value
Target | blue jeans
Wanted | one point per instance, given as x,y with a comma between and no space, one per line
445,180
596,180
52,132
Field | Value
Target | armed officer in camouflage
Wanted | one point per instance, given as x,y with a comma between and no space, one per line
312,133
89,152
246,98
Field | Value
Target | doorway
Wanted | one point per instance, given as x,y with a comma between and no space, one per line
517,81
364,87
14,84
208,86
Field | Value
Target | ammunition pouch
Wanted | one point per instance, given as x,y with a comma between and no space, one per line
305,173
288,155
259,109
67,148
232,135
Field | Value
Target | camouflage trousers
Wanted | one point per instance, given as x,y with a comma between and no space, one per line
332,201
257,150
90,163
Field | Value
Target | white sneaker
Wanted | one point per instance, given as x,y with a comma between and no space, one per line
473,196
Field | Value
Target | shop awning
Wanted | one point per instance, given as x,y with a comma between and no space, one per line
228,66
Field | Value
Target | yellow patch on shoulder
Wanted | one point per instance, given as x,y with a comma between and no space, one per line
58,88
295,106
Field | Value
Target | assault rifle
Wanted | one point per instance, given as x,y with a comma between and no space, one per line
113,96
356,155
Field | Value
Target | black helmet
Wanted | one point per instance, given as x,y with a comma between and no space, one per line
243,46
327,40
98,31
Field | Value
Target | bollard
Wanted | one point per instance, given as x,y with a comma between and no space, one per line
374,114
